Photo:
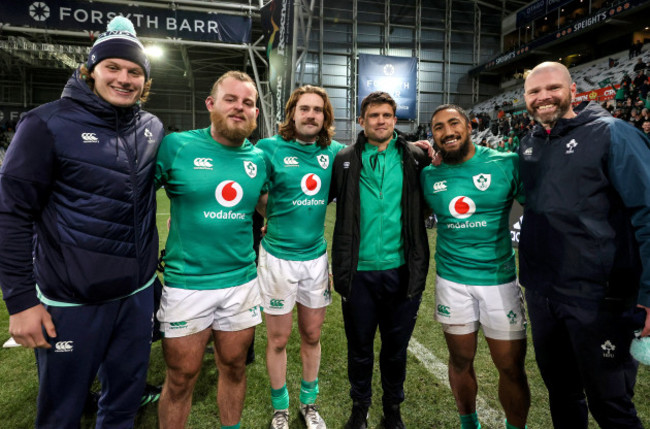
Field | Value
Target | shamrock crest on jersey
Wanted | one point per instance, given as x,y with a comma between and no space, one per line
482,181
250,168
323,160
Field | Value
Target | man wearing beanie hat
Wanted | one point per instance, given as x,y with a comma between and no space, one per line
119,42
78,239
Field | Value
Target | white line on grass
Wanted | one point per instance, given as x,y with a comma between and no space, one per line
490,418
162,214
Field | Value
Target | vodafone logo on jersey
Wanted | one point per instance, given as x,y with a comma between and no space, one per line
229,193
462,207
310,184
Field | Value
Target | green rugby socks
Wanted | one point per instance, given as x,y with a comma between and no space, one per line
280,398
469,421
308,391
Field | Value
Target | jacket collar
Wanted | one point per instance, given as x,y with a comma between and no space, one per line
585,114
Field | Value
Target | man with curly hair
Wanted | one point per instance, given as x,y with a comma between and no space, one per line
293,266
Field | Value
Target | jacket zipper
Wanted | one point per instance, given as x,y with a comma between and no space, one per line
133,165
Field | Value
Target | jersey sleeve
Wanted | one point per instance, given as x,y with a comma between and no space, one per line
26,177
424,175
336,147
518,186
265,146
629,171
164,160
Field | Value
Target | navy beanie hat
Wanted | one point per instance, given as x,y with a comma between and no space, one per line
119,41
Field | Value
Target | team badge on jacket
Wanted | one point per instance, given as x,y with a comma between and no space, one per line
250,168
323,160
482,181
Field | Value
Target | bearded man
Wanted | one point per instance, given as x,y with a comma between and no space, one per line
213,178
471,193
584,250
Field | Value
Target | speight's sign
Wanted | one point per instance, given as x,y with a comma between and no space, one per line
148,21
596,19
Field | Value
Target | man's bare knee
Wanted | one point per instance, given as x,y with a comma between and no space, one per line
311,337
277,341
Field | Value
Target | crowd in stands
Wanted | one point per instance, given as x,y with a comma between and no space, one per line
494,120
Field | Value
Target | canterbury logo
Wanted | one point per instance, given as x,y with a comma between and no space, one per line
89,138
178,325
440,186
203,163
291,161
277,303
64,346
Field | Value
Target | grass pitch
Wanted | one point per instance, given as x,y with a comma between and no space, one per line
429,402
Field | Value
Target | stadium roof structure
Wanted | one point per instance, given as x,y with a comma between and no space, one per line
52,49
604,31
36,61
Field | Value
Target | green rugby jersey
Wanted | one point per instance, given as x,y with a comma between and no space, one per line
472,203
213,190
299,181
381,245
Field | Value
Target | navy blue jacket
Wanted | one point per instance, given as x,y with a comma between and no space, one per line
78,178
586,231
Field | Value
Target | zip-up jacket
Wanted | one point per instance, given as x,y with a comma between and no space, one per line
585,236
346,176
78,178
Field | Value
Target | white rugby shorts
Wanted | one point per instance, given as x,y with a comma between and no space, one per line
185,311
283,283
499,309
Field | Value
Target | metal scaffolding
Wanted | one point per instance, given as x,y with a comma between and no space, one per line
327,39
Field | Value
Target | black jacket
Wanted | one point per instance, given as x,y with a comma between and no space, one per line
586,226
346,175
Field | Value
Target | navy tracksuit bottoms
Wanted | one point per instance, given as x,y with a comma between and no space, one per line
583,354
111,341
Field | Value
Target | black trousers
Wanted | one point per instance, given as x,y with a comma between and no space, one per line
378,299
583,354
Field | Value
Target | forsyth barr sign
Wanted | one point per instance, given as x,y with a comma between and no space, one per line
148,21
394,75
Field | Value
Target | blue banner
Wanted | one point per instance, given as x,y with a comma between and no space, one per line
277,25
394,75
148,21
